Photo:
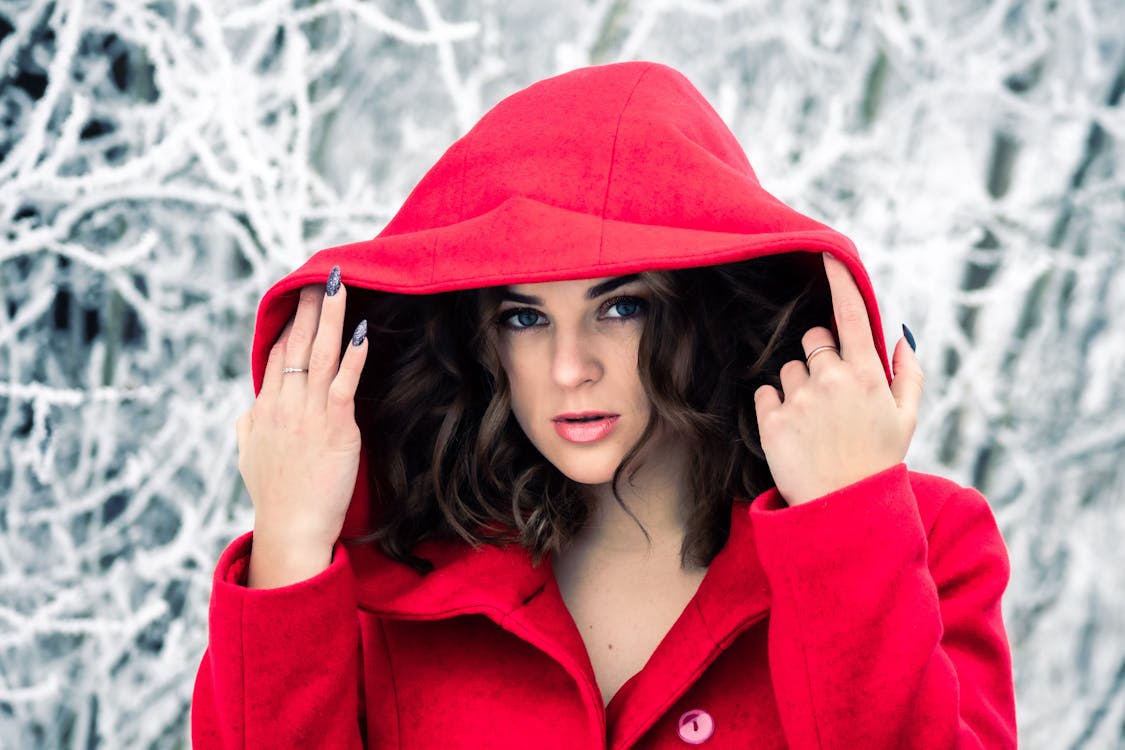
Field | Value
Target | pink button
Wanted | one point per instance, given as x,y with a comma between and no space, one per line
696,726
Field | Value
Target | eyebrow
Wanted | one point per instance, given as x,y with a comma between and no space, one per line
593,292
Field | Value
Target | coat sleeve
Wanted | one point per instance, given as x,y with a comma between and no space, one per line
281,665
881,635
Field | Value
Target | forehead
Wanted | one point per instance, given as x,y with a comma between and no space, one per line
585,288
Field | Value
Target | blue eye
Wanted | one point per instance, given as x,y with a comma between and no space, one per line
627,307
519,318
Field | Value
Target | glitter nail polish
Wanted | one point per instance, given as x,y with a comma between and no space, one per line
360,333
333,284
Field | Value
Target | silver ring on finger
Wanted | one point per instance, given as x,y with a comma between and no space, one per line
814,352
293,369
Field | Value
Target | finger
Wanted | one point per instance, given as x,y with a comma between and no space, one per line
305,321
794,375
299,346
324,361
813,341
852,323
908,379
341,392
766,400
271,379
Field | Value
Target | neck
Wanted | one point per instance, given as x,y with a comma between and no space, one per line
658,496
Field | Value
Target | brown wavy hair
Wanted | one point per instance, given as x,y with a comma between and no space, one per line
446,458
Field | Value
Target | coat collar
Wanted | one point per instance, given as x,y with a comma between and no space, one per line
503,579
502,584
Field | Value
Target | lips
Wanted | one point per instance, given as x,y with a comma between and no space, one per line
586,426
582,416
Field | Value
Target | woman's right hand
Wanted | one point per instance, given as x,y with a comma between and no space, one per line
298,445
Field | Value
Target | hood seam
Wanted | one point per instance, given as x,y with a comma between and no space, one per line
613,158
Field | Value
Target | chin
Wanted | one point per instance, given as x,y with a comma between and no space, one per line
586,467
590,464
587,474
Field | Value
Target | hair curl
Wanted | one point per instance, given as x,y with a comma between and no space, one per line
446,458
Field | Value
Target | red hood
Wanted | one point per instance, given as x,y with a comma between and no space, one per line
601,171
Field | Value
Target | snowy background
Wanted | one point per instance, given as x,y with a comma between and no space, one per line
163,162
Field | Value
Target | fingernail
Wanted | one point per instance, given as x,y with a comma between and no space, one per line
360,333
333,284
909,337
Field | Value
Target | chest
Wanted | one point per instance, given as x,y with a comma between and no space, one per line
464,682
623,615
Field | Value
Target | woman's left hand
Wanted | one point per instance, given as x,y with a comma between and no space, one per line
839,421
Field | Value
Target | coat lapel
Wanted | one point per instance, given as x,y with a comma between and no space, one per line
500,583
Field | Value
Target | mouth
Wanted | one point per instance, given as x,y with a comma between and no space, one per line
585,427
584,416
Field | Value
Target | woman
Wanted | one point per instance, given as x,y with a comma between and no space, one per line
620,464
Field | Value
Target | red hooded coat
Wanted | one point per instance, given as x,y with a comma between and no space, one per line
866,618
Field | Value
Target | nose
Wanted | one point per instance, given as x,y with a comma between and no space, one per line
574,360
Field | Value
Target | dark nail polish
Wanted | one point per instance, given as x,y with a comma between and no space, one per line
333,284
360,333
909,337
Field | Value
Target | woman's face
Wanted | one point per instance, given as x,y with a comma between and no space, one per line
569,349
